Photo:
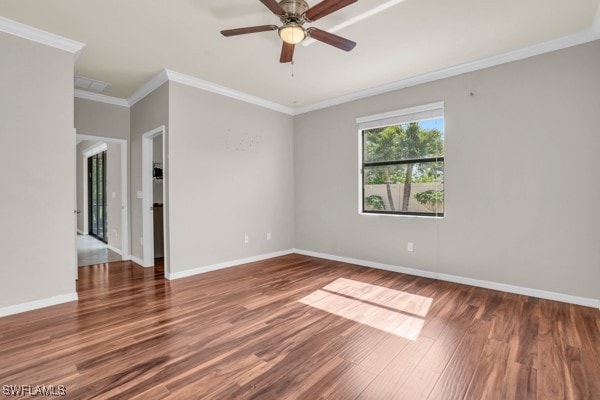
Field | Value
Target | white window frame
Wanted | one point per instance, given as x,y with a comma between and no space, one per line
397,117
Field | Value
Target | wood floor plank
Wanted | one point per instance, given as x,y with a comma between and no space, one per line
298,327
493,371
349,384
458,374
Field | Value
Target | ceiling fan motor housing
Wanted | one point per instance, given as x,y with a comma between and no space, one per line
294,10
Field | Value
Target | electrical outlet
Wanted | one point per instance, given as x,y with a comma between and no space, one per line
268,235
410,246
246,240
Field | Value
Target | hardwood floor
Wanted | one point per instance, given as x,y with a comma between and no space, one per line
297,327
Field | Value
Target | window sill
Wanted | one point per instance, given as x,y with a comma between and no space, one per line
371,214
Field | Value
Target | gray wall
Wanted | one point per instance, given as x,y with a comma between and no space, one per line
230,174
113,195
146,115
37,234
530,126
101,119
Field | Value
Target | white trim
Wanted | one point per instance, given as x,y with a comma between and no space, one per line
148,87
405,111
226,264
124,189
526,52
113,248
37,35
148,198
102,98
81,232
95,149
84,194
136,260
543,294
75,208
34,305
370,264
515,55
227,92
173,76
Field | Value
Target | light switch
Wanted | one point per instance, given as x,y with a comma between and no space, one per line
140,194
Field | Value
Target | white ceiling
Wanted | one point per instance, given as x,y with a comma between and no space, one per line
129,42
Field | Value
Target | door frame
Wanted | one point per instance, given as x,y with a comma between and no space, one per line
148,198
95,152
125,252
86,154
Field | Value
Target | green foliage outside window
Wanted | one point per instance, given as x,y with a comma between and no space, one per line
375,202
401,143
431,199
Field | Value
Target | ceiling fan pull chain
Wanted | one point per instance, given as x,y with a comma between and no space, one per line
292,68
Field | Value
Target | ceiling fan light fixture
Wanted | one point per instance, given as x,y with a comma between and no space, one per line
292,33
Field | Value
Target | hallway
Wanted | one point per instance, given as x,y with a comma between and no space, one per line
92,251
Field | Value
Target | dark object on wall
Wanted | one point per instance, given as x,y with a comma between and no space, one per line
157,173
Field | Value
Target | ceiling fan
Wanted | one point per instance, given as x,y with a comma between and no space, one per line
293,15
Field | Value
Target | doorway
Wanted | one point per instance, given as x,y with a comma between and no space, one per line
102,167
97,218
155,199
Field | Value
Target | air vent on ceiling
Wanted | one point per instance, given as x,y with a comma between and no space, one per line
81,82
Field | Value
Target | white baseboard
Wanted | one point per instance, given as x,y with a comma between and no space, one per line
226,264
116,250
137,260
81,232
371,264
542,294
34,305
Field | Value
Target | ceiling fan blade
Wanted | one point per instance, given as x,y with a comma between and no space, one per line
287,52
274,7
326,7
331,39
250,29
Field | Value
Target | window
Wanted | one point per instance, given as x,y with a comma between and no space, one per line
402,162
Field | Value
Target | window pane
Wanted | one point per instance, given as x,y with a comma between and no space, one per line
409,188
414,140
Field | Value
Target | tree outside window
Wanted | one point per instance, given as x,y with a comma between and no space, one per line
403,168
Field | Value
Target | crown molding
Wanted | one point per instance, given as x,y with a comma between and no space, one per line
37,35
520,54
526,52
225,91
102,98
148,87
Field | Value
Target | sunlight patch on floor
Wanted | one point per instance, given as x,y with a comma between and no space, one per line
389,298
388,310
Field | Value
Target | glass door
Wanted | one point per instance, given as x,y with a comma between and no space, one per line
97,195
